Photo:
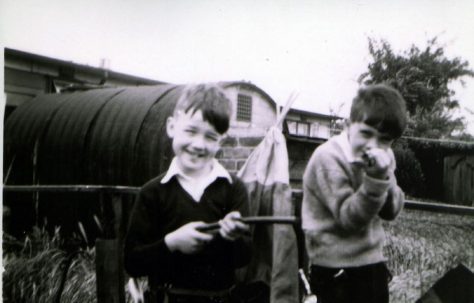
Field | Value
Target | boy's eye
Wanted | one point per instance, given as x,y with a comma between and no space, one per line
366,134
212,137
190,131
386,140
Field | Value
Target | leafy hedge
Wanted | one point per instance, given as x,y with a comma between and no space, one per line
440,147
409,174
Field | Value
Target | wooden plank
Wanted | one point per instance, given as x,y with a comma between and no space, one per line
110,280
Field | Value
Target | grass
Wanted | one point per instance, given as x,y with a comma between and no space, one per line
421,247
34,270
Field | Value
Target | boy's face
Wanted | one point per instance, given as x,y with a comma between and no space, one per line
195,141
363,137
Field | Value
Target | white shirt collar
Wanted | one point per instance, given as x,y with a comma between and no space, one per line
195,187
343,141
218,171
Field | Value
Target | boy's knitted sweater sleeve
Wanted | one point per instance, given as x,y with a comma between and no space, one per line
329,180
395,197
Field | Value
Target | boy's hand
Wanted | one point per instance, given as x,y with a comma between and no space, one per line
187,239
231,227
378,163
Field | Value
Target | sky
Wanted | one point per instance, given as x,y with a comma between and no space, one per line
315,48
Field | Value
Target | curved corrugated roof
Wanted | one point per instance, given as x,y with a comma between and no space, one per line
91,137
109,136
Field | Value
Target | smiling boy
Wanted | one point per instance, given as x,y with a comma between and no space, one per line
163,240
348,187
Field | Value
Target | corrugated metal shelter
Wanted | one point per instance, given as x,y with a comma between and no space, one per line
112,136
102,136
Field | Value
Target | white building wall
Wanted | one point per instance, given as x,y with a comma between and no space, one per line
263,114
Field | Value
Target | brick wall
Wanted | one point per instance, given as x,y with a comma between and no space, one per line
235,151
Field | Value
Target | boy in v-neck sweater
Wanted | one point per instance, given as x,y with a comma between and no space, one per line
163,240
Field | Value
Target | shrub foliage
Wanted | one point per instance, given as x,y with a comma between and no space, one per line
409,174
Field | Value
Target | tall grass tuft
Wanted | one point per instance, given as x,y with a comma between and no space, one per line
34,270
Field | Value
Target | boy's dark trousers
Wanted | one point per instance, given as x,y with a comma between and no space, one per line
364,284
241,293
184,296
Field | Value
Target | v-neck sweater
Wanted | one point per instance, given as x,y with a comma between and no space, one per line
161,208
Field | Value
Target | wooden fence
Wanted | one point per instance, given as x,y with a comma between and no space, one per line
110,275
458,179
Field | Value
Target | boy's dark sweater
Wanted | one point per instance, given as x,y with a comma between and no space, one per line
163,208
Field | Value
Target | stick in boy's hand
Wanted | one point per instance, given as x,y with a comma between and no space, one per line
231,227
188,239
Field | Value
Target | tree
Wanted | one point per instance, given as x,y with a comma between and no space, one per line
423,78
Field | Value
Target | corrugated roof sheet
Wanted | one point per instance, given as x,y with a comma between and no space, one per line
102,136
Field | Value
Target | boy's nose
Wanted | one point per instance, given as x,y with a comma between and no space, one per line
372,143
198,142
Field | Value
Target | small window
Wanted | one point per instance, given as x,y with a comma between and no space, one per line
298,128
292,127
244,108
303,129
314,129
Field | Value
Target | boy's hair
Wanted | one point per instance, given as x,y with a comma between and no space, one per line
381,107
211,100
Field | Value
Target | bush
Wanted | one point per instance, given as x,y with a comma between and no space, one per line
409,173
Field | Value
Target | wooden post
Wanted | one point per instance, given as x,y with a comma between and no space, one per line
109,271
110,278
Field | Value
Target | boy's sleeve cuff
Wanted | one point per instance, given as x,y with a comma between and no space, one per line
375,187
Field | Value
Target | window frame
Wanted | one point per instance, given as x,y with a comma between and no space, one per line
244,108
299,126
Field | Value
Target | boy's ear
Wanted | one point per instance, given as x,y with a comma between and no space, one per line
170,126
347,122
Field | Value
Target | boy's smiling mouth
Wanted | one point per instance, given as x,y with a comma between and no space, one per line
196,154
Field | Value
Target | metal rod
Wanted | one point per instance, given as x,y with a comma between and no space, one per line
71,188
256,220
296,194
